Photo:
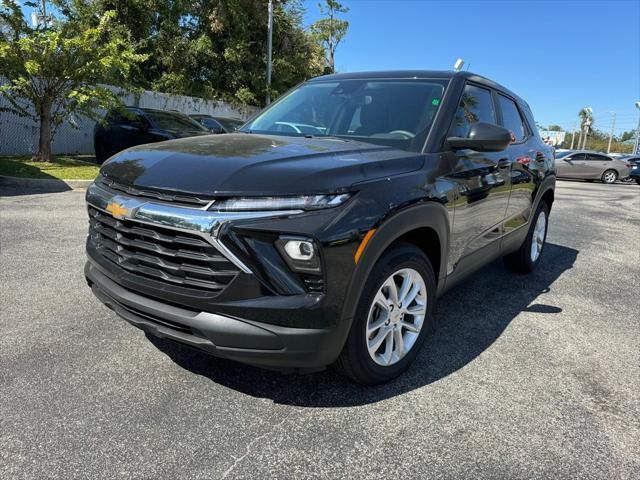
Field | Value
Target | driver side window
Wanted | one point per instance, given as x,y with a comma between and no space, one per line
476,105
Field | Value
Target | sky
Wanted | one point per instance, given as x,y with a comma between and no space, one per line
560,56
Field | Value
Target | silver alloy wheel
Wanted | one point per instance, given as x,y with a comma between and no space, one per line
537,242
610,177
396,316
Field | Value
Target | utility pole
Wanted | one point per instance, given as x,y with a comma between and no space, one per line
269,49
636,148
613,126
573,136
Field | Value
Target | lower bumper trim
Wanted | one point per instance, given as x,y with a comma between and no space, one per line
237,339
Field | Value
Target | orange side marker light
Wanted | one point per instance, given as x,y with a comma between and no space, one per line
363,244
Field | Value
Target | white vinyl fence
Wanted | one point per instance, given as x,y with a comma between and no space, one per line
19,136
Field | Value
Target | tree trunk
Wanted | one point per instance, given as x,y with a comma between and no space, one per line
44,140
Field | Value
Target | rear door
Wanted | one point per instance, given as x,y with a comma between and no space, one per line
525,155
595,165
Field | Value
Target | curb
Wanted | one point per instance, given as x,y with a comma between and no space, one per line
48,184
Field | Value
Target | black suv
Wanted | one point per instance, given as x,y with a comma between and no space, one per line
132,126
323,231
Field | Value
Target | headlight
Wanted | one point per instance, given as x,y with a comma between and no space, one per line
305,202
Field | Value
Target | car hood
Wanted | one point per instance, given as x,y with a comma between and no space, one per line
250,164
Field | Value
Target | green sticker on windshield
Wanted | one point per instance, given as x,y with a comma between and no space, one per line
435,102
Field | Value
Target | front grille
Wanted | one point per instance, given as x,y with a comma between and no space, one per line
189,200
163,254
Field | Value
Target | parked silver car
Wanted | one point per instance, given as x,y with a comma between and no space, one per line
588,165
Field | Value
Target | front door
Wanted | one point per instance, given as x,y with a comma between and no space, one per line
483,184
571,166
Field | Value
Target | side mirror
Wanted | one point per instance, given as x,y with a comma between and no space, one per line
483,137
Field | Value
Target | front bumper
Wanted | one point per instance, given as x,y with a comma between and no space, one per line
243,340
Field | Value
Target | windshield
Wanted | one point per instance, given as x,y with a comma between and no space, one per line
229,124
396,113
173,121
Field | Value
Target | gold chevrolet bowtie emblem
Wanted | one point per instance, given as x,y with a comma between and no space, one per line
117,210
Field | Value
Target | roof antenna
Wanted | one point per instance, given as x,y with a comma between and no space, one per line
458,65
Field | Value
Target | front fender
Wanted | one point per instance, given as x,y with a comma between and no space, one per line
430,214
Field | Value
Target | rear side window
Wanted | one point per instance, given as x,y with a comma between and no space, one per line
476,105
511,118
596,157
127,118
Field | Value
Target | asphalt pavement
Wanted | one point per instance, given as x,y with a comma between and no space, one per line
525,377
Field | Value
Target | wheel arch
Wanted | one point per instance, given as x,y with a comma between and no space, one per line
425,225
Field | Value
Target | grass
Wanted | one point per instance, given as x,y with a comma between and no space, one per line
64,167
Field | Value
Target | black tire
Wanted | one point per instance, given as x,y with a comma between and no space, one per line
520,261
355,361
638,181
101,155
607,173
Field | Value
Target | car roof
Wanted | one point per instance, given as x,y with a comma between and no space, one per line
426,74
150,110
591,151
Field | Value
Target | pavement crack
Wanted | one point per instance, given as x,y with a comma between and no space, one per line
249,448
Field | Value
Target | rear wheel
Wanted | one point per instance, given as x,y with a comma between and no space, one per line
392,319
609,176
525,259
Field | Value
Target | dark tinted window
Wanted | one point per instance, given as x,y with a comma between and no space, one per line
578,156
599,158
173,121
211,123
127,117
229,124
476,105
511,118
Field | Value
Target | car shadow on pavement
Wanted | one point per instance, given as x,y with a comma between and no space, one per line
15,189
469,319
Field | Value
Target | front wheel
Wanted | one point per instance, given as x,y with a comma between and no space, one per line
392,319
610,176
525,259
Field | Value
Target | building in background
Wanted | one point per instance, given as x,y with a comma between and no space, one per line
552,138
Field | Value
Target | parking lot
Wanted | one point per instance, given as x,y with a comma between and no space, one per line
526,376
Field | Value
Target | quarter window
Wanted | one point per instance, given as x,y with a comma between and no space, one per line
476,105
511,118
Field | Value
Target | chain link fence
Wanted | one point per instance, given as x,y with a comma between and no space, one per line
19,136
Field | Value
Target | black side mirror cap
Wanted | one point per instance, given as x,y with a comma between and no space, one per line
483,137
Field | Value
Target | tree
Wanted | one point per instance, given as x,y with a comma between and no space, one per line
53,72
555,128
330,31
586,125
627,135
214,49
